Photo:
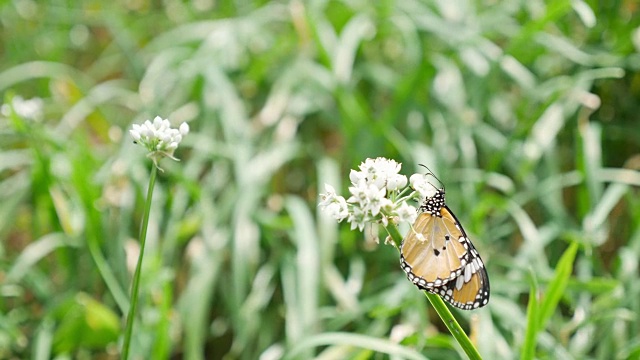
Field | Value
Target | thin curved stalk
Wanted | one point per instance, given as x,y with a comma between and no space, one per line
136,275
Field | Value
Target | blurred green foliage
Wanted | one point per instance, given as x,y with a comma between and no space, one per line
527,110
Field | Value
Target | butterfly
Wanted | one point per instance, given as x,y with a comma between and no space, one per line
438,256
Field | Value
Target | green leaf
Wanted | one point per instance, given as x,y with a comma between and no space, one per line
84,323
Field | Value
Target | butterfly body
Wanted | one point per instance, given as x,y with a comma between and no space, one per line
438,257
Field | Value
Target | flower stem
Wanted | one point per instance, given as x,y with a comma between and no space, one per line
136,274
441,308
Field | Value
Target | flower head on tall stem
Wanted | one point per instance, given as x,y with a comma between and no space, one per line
159,138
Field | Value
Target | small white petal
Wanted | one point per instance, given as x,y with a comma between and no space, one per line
164,137
396,182
337,209
184,128
148,133
356,176
329,189
135,134
406,213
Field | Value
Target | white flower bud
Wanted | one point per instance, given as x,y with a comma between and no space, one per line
135,134
184,128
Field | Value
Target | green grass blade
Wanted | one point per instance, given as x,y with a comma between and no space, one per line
363,341
529,347
557,286
307,262
33,253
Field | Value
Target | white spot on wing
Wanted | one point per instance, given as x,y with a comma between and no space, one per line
467,273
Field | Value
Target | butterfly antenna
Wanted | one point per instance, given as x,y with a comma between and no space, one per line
434,176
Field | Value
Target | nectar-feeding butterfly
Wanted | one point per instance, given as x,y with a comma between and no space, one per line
438,256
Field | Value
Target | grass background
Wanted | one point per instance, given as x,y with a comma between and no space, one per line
527,110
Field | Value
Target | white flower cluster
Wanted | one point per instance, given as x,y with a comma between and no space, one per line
380,172
26,109
377,195
159,137
421,184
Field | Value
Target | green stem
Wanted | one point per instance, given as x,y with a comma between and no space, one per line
441,308
136,274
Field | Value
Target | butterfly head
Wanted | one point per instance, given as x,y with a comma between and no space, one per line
432,205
